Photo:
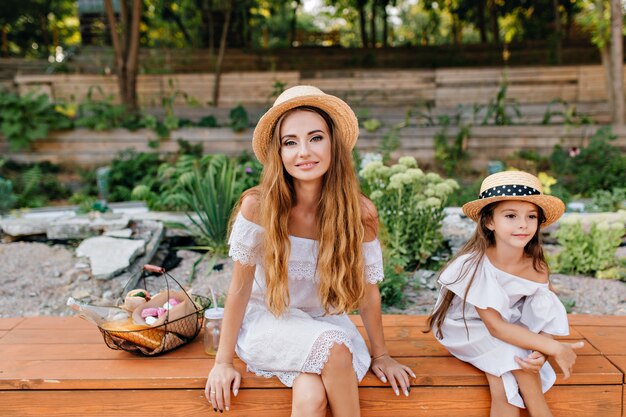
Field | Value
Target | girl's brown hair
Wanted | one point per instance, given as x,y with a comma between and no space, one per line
476,247
340,227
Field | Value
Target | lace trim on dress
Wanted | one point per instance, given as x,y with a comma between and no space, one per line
302,270
374,273
320,352
242,253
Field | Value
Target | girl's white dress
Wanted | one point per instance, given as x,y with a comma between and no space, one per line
518,300
300,339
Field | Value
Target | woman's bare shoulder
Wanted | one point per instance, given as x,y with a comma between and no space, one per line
250,206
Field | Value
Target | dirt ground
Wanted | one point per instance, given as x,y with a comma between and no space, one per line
37,279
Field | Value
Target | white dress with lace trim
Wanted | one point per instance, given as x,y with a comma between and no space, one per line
301,339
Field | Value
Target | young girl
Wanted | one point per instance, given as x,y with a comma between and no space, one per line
305,251
495,309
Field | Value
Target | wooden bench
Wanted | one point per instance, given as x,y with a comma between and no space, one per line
56,366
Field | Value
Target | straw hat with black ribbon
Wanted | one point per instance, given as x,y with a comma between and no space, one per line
515,185
346,126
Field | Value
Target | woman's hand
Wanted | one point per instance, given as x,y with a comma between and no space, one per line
531,363
565,357
388,369
217,390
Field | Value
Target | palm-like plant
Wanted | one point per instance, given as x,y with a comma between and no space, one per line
211,190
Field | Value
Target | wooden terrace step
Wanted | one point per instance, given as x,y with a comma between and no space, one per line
60,366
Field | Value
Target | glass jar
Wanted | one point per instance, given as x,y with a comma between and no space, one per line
212,329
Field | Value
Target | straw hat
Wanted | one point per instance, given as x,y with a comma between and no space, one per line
346,124
514,185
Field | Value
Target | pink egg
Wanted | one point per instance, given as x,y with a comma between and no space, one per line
149,312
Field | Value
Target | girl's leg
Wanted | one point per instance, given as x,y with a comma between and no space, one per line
530,388
500,406
308,396
342,386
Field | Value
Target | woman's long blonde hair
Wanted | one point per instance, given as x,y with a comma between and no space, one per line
339,220
482,239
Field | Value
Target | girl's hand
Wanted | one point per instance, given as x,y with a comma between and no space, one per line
565,357
387,368
217,389
531,363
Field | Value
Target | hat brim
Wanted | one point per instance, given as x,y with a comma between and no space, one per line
346,125
553,208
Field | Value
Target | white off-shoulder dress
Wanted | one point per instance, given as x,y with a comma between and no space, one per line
300,339
518,300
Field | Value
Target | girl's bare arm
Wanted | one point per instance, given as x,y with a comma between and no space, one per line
520,336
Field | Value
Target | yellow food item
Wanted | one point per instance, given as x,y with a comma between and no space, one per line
139,334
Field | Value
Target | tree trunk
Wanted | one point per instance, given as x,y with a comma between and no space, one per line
385,23
362,22
558,35
373,23
617,62
456,28
495,26
5,41
482,28
220,55
294,23
126,47
606,65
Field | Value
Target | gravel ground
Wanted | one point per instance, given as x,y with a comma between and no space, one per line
37,279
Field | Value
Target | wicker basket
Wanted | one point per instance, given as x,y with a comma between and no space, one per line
142,339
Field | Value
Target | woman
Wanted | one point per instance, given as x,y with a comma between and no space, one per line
305,251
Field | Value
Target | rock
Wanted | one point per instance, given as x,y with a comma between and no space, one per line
109,256
81,227
151,232
457,229
23,227
80,293
123,233
426,279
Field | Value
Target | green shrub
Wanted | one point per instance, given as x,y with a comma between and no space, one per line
100,114
238,119
393,286
467,192
599,166
7,198
24,119
452,157
605,200
129,169
410,206
34,184
587,252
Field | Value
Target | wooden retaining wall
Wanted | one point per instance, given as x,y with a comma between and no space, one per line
90,148
442,88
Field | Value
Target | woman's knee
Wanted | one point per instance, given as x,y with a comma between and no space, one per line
309,395
339,358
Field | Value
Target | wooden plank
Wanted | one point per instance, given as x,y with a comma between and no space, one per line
38,337
195,350
609,340
7,323
620,363
596,320
399,320
54,323
180,373
572,401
